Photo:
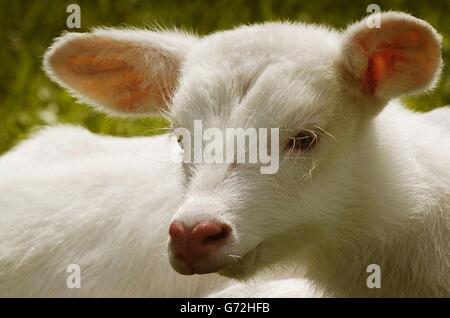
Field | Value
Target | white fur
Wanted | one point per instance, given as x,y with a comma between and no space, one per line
109,213
376,188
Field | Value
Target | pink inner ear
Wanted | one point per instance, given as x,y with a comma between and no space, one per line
380,64
115,83
134,97
383,60
91,65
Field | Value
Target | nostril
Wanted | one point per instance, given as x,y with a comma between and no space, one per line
177,230
208,232
224,233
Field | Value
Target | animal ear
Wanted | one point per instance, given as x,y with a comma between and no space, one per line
121,71
401,56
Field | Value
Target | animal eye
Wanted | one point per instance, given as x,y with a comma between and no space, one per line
180,141
304,140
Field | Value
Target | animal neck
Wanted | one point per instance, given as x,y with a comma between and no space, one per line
386,215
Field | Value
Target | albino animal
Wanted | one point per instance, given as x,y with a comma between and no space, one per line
361,181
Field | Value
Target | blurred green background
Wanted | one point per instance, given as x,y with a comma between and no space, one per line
29,100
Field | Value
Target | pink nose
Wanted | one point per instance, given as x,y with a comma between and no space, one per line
200,241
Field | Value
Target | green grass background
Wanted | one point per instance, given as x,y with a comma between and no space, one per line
29,100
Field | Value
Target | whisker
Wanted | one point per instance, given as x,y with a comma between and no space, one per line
308,176
326,132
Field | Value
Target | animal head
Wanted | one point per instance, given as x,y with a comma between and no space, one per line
317,86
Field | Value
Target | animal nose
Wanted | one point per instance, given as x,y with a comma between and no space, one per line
190,244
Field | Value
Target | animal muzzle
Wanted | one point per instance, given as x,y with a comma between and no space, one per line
195,249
